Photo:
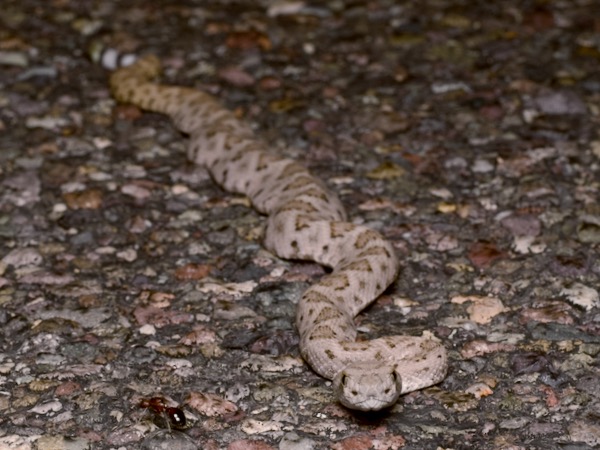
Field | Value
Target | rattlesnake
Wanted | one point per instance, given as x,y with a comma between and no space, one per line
305,221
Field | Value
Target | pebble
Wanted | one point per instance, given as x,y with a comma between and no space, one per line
85,199
45,408
136,191
169,440
23,257
292,441
581,295
23,188
514,424
559,103
254,426
482,166
481,309
585,431
42,71
285,7
57,442
588,230
522,225
247,444
128,255
443,88
192,271
48,123
386,171
237,77
479,390
147,329
8,58
210,405
16,442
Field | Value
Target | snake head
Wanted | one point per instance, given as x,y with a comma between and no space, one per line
367,386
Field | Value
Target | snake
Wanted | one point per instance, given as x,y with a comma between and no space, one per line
305,221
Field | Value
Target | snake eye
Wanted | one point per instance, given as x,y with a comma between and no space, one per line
344,379
397,380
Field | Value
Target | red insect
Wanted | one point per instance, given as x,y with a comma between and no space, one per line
174,417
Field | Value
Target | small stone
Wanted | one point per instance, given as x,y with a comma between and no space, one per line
248,444
514,424
210,405
23,188
480,348
526,245
386,171
136,191
560,102
522,225
582,296
483,254
292,441
23,257
192,272
479,390
148,330
456,21
245,40
553,312
199,335
443,88
285,8
482,166
45,408
586,432
595,146
482,309
357,442
128,255
401,74
588,229
269,83
48,123
86,199
236,77
171,440
255,426
285,105
15,442
8,58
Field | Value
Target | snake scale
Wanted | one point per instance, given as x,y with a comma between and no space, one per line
305,221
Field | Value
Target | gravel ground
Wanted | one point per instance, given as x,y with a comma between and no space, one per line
465,131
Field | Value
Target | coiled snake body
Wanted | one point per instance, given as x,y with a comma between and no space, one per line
305,221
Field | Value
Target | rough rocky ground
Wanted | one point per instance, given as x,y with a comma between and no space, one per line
465,131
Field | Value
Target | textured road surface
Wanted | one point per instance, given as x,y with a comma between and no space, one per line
465,132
